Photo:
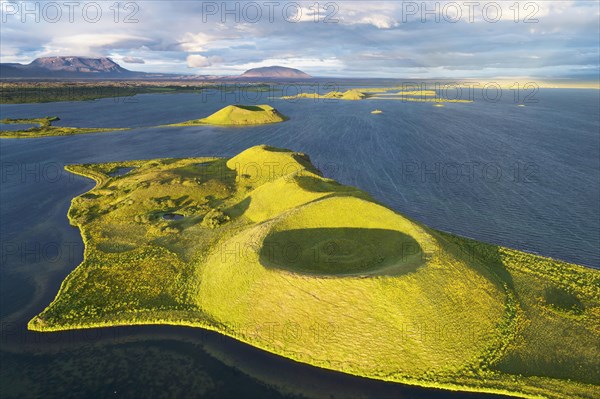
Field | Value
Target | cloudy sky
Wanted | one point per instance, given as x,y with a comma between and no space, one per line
400,39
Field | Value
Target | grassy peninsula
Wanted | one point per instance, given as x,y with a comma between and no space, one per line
233,115
45,128
262,248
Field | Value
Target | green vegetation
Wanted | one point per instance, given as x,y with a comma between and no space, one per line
45,128
18,92
352,94
269,252
45,121
45,94
42,92
239,115
423,96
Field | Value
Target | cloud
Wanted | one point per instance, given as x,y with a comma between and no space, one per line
92,44
379,21
191,42
197,61
133,60
368,39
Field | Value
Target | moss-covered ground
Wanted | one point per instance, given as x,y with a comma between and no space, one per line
261,247
239,115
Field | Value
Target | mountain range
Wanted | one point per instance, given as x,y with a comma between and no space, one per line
67,67
73,67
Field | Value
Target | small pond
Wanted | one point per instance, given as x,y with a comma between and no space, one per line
172,216
120,172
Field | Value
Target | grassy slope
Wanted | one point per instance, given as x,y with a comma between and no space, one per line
239,115
45,128
315,271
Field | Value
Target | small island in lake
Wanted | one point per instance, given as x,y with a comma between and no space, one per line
351,95
239,115
261,247
45,128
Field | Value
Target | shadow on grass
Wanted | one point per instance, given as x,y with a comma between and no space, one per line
484,258
238,209
315,185
250,107
339,251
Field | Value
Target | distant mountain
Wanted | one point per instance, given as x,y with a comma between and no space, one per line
274,72
74,67
79,64
67,67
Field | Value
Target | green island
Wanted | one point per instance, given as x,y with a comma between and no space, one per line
352,94
261,247
45,128
424,96
239,115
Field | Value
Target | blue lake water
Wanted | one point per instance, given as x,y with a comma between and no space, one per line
16,126
524,177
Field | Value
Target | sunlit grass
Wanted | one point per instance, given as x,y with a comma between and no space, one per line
239,115
273,254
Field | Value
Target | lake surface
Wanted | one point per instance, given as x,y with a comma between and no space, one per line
16,126
524,177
